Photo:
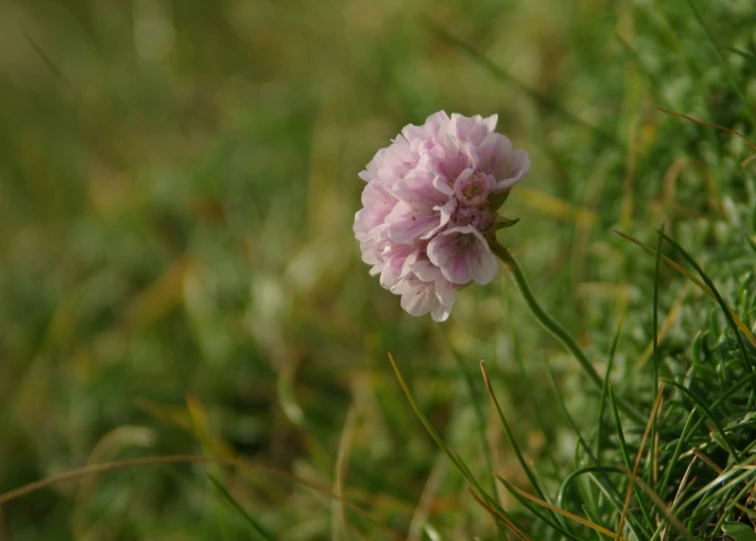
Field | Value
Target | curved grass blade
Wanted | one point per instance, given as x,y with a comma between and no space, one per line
610,490
745,54
577,473
453,457
710,125
551,325
720,300
702,405
513,444
561,527
508,433
527,384
703,287
571,516
499,517
732,502
479,416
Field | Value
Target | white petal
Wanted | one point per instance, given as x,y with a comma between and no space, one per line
440,313
486,270
446,293
417,296
490,121
519,163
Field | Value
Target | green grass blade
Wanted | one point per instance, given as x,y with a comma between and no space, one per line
611,490
740,52
682,440
261,532
702,286
732,502
605,389
555,524
655,342
453,457
702,405
477,408
691,427
510,437
724,63
720,300
626,454
528,385
551,325
723,481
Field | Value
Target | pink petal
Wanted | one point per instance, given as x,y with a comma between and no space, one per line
484,265
407,224
420,191
448,158
418,297
472,129
462,255
377,205
394,269
421,266
446,294
518,163
471,190
493,154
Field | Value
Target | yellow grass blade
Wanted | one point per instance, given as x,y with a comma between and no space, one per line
709,124
709,462
703,287
567,514
501,518
93,469
555,207
634,474
664,509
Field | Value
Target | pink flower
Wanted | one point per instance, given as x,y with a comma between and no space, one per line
427,211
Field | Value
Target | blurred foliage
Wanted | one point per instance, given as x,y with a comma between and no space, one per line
178,274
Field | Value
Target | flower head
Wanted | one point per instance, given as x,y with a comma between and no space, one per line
429,206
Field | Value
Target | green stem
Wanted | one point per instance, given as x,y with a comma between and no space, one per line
555,328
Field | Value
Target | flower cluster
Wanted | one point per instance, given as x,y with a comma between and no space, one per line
430,203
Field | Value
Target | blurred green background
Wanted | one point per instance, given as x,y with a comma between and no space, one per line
178,273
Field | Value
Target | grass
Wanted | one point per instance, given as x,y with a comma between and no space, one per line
178,275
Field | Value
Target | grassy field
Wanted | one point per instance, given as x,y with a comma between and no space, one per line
179,276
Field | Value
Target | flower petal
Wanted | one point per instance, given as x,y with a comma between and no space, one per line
418,297
394,268
462,255
407,224
472,129
519,163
